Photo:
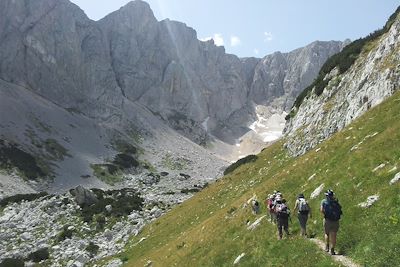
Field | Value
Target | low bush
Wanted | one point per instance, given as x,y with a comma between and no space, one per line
39,255
10,262
21,197
237,164
11,156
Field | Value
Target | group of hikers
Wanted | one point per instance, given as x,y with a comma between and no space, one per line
280,215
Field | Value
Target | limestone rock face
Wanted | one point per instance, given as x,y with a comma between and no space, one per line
83,84
53,49
372,78
287,74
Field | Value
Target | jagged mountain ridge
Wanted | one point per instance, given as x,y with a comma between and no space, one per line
81,61
130,73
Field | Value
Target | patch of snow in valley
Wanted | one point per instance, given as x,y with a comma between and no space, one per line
269,128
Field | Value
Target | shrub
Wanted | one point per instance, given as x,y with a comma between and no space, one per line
191,190
125,161
123,201
64,234
11,156
92,248
20,197
39,255
234,166
10,262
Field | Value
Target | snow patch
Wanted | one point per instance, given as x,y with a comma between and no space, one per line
269,128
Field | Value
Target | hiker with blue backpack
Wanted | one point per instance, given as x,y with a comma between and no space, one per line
331,210
304,211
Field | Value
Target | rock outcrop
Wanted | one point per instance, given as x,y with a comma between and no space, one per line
84,197
373,77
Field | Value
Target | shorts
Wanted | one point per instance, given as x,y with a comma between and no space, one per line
331,226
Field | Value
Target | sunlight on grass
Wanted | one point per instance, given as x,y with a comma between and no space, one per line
211,228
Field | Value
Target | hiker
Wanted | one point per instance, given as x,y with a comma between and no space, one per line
304,211
282,216
255,206
269,203
332,211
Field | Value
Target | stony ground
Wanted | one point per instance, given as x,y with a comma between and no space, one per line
55,224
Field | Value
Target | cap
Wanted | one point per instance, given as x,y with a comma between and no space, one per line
329,193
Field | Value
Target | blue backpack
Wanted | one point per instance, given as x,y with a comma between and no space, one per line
332,210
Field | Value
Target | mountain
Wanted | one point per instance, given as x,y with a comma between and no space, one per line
78,103
360,77
76,94
342,134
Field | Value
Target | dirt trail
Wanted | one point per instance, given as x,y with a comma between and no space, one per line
346,261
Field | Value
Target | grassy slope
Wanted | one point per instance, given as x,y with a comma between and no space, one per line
210,229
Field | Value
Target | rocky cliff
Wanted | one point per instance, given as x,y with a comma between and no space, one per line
73,88
345,95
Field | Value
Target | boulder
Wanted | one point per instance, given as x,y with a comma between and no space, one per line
370,200
114,263
83,196
108,208
317,191
395,179
237,260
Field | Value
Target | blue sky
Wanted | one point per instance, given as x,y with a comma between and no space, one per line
260,27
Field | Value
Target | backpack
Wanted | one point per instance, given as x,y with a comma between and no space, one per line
332,210
282,211
270,203
303,206
255,203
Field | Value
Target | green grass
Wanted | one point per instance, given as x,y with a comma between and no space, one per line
210,228
107,172
56,151
30,167
174,163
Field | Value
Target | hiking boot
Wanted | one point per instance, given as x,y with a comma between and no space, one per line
333,251
327,248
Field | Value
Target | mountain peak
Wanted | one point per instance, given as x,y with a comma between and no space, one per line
137,11
137,8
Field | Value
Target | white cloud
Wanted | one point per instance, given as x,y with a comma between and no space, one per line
235,41
217,37
268,37
256,51
218,40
